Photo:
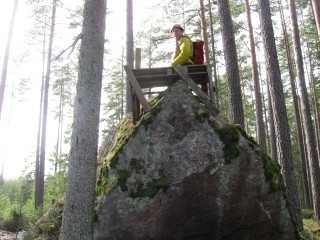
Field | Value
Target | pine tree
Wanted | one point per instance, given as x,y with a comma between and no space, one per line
306,114
78,215
231,61
284,151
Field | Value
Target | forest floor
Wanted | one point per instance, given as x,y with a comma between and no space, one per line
4,235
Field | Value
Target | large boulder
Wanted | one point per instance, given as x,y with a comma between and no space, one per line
184,174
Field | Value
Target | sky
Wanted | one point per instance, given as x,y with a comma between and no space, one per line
18,125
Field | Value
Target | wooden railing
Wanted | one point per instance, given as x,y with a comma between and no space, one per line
193,75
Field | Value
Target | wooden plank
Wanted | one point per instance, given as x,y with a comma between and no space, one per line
182,71
162,80
138,58
137,89
168,70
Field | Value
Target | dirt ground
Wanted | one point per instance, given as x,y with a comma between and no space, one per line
10,236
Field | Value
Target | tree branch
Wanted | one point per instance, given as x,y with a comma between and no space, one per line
72,46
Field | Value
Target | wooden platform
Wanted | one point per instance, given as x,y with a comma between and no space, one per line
162,77
193,75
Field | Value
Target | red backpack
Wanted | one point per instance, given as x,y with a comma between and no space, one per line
198,52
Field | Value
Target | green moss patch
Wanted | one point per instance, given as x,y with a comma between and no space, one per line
272,172
125,131
251,141
230,136
121,179
135,164
155,103
163,182
307,214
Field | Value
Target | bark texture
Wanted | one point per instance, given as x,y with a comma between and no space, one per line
231,61
300,138
306,114
284,152
130,55
256,83
78,213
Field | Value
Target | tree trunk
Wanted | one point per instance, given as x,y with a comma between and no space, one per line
6,56
37,168
1,174
284,151
231,61
316,11
306,114
130,53
43,144
315,104
300,139
78,215
206,49
60,127
273,141
214,61
257,92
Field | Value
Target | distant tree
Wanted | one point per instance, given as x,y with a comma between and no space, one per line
214,60
78,215
306,114
37,162
130,53
206,49
257,92
40,174
231,61
284,150
316,12
300,138
6,56
113,109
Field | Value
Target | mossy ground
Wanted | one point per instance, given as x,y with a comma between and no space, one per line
311,227
48,227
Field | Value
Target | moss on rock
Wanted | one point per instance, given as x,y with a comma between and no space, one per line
272,172
252,143
121,179
110,159
230,136
153,187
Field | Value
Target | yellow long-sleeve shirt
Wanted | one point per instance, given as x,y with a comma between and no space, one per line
184,51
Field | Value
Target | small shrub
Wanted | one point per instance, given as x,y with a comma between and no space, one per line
15,222
307,213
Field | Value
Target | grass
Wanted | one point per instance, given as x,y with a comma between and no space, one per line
311,227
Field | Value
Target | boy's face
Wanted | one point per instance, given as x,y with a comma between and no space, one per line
177,33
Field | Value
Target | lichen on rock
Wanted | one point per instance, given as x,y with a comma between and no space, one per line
185,174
